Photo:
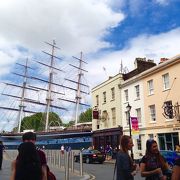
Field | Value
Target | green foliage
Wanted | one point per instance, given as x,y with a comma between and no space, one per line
37,121
86,116
69,124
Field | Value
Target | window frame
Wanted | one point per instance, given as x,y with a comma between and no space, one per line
113,93
126,95
166,82
150,87
104,97
113,111
139,143
97,100
137,91
152,112
139,117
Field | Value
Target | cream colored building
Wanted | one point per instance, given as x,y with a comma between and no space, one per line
132,94
106,98
146,89
161,98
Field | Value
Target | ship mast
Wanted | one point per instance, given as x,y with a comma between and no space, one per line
79,85
21,105
48,99
78,94
49,90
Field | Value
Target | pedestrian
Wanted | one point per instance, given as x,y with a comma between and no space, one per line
124,166
153,166
31,137
176,170
68,148
62,149
27,166
1,153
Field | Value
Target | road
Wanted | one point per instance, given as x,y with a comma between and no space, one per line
102,171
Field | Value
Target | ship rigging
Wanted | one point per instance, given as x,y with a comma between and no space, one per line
26,88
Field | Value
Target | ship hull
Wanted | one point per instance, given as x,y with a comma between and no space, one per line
52,140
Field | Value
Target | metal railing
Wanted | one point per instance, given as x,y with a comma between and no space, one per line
56,158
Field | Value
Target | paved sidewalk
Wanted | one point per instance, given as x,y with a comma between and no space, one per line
59,173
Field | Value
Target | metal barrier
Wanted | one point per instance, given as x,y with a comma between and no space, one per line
55,158
65,160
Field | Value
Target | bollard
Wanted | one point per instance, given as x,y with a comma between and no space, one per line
81,164
60,159
72,161
66,165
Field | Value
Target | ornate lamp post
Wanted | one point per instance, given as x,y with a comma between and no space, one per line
128,108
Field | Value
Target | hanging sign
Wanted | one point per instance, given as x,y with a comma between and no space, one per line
95,114
135,127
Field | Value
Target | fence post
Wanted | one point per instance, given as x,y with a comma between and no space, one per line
72,161
66,165
81,164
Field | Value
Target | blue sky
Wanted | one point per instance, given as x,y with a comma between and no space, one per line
106,31
149,18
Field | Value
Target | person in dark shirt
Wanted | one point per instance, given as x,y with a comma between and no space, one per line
1,153
153,165
125,167
27,166
31,137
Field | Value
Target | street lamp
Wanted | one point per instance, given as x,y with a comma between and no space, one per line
128,108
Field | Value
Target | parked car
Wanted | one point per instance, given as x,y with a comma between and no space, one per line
170,156
90,156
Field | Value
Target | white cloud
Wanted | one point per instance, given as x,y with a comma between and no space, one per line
150,46
76,25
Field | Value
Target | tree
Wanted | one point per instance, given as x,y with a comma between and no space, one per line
69,124
86,116
37,121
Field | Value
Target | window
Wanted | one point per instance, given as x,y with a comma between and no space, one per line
113,93
97,100
150,87
104,115
168,141
138,114
137,92
165,81
168,109
139,144
104,97
126,95
113,110
152,113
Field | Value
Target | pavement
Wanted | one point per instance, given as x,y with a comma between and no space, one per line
59,173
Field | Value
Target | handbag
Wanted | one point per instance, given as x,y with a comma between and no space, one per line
50,175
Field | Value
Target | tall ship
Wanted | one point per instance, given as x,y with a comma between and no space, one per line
52,94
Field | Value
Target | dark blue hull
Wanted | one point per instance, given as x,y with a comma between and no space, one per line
76,140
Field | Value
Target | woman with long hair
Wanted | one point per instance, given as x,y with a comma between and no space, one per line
27,166
153,165
124,163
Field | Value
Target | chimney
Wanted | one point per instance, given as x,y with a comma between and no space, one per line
138,60
163,60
